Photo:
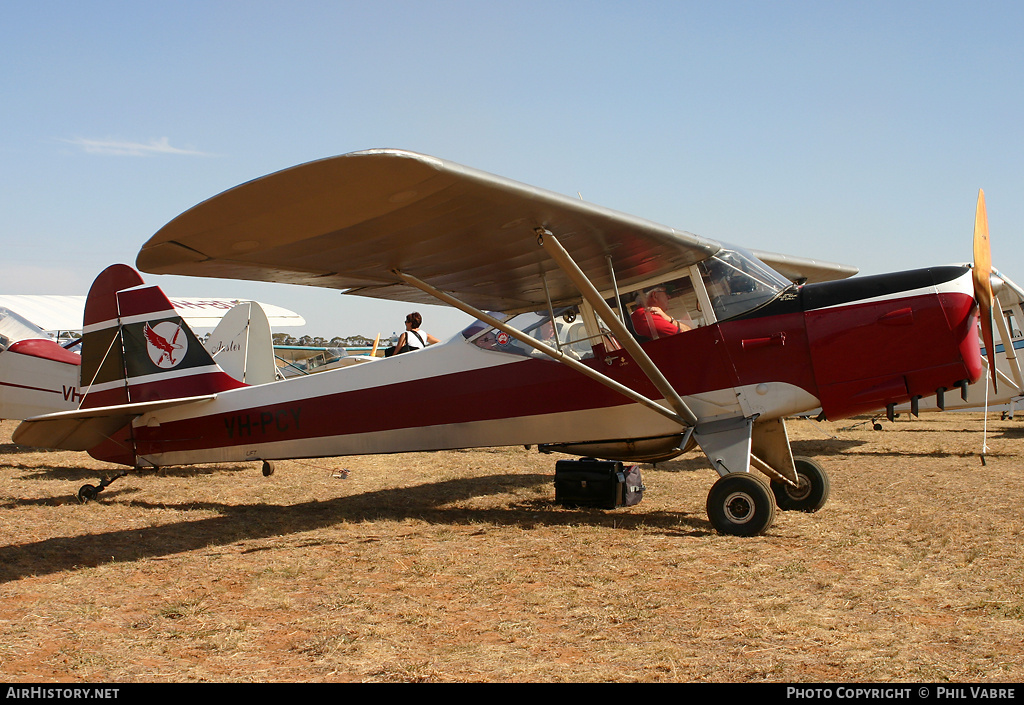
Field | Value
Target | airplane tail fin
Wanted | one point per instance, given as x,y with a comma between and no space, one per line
243,345
136,348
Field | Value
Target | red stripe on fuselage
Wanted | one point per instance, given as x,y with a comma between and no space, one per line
524,387
172,388
694,362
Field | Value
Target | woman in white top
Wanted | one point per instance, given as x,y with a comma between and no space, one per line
413,336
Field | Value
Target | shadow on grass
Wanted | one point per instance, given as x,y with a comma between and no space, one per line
429,503
1011,433
15,449
896,428
93,475
824,446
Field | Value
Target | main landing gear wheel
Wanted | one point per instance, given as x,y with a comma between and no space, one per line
812,492
741,504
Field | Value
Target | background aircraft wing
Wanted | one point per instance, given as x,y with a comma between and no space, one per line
65,312
47,312
804,270
347,222
207,313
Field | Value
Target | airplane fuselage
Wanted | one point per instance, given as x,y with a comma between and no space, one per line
37,376
847,347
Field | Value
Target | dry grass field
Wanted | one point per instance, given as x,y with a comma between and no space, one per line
457,566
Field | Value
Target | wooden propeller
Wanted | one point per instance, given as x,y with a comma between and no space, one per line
983,283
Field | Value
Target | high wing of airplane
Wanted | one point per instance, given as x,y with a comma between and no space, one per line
617,337
1008,317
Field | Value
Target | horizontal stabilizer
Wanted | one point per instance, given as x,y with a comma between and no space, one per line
82,429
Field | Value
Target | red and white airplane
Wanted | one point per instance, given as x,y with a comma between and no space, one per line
562,366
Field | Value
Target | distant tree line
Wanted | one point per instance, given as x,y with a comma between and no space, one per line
352,341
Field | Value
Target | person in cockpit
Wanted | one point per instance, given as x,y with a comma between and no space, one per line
413,338
650,321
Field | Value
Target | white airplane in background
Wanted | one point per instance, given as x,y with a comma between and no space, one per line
37,376
297,360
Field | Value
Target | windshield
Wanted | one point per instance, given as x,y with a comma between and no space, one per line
738,282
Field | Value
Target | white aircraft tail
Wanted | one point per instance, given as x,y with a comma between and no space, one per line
243,346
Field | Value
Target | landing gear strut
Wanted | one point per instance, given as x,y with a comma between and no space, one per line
88,493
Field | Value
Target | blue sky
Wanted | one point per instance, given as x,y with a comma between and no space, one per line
857,132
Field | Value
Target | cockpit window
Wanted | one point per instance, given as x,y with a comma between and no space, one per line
738,282
665,309
565,332
477,326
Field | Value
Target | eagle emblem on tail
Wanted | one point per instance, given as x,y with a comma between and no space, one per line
162,344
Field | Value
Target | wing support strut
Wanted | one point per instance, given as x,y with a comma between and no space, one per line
1011,354
554,354
565,262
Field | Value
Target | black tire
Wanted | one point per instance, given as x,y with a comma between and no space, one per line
812,493
741,504
268,468
88,493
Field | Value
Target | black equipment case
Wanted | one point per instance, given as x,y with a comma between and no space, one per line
606,484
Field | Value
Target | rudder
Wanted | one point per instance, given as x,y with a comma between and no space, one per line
136,348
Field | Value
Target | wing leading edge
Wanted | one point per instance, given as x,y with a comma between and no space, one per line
349,222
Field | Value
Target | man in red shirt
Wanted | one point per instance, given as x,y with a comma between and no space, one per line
650,321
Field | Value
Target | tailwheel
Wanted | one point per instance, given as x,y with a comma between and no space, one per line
268,468
741,504
811,493
88,493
